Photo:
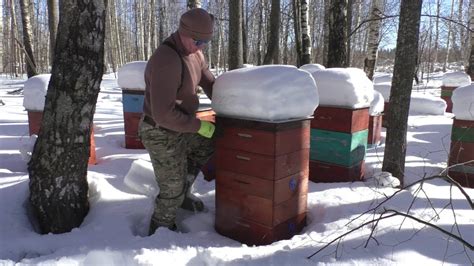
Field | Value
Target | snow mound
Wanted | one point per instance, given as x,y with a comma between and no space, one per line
312,67
344,87
382,78
426,104
141,178
384,89
272,93
34,92
132,75
463,102
456,79
377,104
386,179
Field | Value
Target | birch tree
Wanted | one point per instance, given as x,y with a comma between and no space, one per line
53,18
27,38
58,166
305,37
373,38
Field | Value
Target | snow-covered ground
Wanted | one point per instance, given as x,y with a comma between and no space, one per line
114,231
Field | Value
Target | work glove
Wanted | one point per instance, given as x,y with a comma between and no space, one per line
207,129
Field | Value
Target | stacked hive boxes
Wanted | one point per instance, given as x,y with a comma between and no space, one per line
339,129
461,155
262,179
131,80
375,119
132,100
338,144
34,95
450,82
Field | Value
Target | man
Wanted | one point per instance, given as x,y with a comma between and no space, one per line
177,141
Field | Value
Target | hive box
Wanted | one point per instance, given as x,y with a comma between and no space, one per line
461,153
344,149
340,119
446,93
261,179
34,125
132,101
375,130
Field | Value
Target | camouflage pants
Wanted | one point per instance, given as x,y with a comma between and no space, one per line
174,155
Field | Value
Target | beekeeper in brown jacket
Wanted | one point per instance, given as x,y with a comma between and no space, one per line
178,142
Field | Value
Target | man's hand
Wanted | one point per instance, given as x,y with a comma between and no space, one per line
207,129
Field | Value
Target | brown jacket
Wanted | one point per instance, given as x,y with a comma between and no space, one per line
170,108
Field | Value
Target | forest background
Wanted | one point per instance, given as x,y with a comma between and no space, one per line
134,28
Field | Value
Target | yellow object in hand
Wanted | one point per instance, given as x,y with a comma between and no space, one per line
207,129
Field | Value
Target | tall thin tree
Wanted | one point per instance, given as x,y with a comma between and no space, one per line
53,18
235,35
305,37
194,4
25,6
58,166
470,66
402,83
373,38
274,34
337,34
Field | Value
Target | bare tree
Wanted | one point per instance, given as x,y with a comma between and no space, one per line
470,66
27,38
53,18
402,83
194,4
373,39
337,34
448,39
58,167
305,38
274,34
235,35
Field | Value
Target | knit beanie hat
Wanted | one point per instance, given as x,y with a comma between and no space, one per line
197,24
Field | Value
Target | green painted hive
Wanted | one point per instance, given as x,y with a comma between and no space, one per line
339,148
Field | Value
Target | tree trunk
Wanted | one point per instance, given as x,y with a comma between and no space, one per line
305,39
13,26
58,167
350,4
53,18
327,15
245,29
337,34
27,38
402,82
470,66
259,33
373,39
297,29
235,35
194,4
274,39
448,39
436,41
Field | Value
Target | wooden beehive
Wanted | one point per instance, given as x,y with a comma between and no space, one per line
338,144
34,125
261,179
461,153
132,102
446,93
375,130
